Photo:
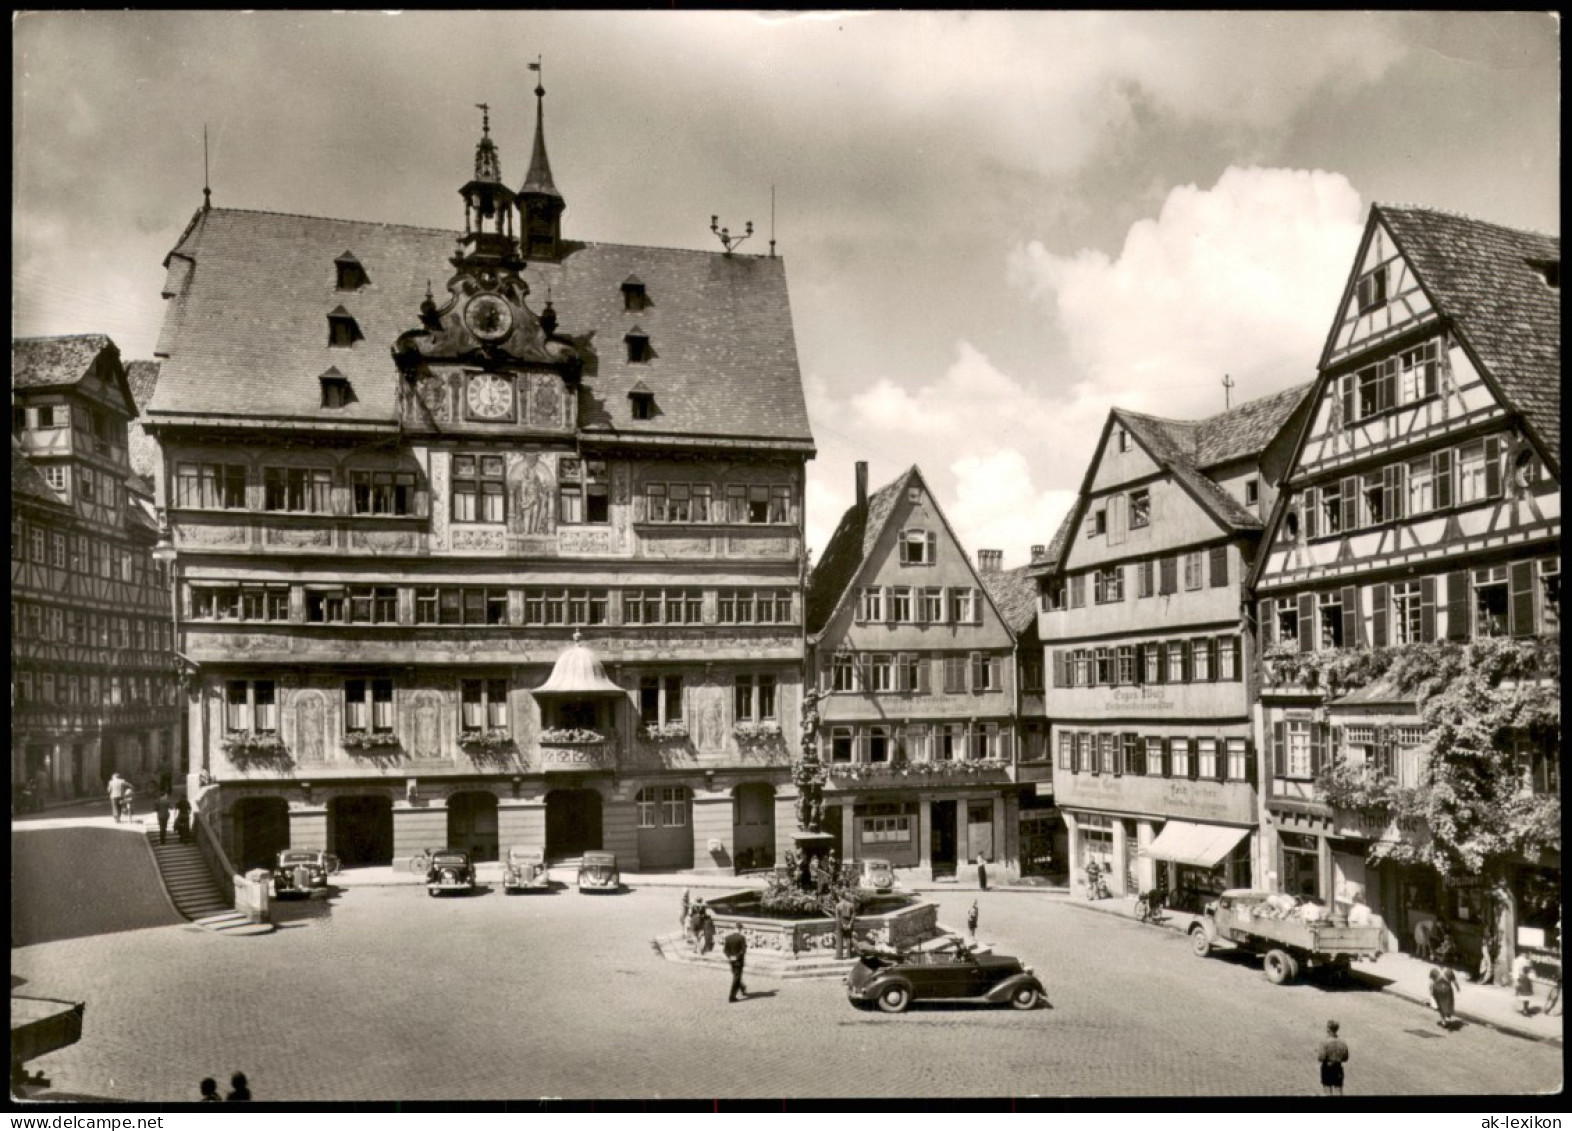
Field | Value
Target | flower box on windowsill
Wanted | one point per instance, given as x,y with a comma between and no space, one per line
918,771
756,734
372,741
570,736
248,746
669,732
486,741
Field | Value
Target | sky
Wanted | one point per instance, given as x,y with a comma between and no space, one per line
996,225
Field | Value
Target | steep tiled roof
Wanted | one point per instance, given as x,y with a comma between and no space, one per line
27,483
1014,593
37,362
1482,276
1167,446
247,331
142,376
852,542
1061,538
1244,432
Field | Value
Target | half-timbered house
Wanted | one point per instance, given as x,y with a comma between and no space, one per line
92,686
487,537
1423,505
918,724
1150,662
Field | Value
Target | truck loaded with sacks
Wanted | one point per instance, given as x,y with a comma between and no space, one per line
1290,935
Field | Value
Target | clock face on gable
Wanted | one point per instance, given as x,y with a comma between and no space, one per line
489,317
489,396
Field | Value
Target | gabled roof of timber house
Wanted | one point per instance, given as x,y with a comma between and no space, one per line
65,361
1489,281
28,483
246,333
1014,594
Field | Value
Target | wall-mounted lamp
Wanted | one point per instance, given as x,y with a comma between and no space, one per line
412,791
518,786
709,779
305,789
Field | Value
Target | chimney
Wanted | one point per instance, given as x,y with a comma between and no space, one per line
1038,550
989,561
862,487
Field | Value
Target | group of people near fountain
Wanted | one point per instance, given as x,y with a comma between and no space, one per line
698,925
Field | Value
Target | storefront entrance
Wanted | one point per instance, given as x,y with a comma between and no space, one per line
1042,838
261,831
942,815
753,825
360,829
472,824
572,823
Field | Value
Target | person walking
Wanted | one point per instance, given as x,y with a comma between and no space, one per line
982,872
706,929
1333,1054
209,1087
735,946
161,808
238,1089
119,790
971,921
1443,993
1522,984
845,922
166,778
687,903
183,821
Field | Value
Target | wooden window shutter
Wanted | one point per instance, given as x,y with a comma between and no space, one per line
1116,520
924,667
1307,622
1309,512
933,546
955,674
1187,660
1251,774
1220,746
1279,750
1167,757
995,674
1522,612
1427,610
1392,488
1169,570
1492,467
1317,747
865,671
1193,762
901,542
1239,658
1353,623
1162,661
1140,664
1457,627
1378,616
862,606
1268,624
1218,567
1058,668
1075,752
1211,659
1349,401
1441,465
1350,489
887,594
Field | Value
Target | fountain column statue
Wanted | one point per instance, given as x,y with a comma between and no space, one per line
812,842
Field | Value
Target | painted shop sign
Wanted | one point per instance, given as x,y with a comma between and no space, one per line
1138,699
1227,803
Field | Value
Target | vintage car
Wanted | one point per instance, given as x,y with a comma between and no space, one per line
301,872
875,873
450,870
525,870
598,872
951,972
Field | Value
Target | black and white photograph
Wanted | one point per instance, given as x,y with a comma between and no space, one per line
856,558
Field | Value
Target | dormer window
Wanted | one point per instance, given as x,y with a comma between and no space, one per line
634,295
642,398
343,330
336,390
638,345
1549,270
351,275
1370,290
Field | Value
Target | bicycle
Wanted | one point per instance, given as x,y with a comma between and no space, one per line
1149,907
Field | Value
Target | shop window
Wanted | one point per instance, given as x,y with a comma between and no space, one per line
1301,870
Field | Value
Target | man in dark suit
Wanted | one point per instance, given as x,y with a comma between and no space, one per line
735,947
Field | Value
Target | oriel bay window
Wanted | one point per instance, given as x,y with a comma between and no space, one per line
303,489
484,704
368,706
250,705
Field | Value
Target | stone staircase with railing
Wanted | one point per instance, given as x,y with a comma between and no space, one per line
193,890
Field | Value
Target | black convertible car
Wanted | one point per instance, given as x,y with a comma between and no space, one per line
953,972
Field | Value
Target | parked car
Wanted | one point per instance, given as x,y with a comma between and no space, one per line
598,872
525,870
450,870
875,873
301,872
893,980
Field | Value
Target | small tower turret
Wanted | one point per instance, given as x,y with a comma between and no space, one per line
488,206
540,204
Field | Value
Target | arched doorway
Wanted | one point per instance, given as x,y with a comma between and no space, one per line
472,824
261,830
360,829
665,813
753,825
572,822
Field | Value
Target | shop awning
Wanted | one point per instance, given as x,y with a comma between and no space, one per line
1202,846
578,675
